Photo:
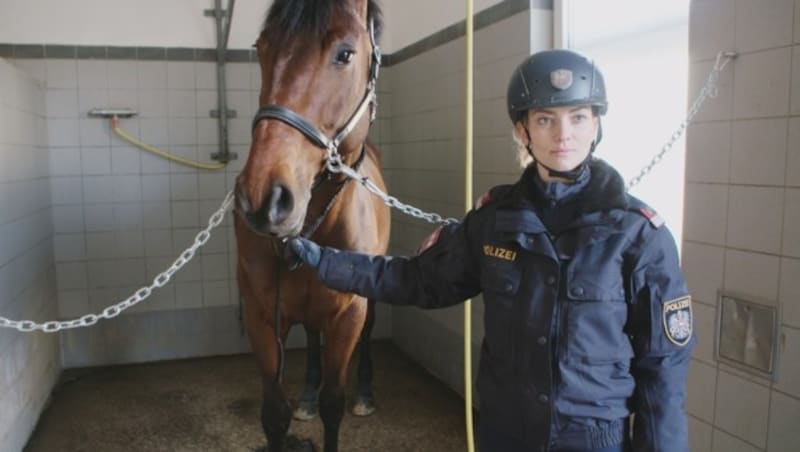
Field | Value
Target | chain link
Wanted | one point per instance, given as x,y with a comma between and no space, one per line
140,295
335,165
710,89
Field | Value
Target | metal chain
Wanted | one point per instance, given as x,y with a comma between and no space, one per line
140,295
335,165
710,89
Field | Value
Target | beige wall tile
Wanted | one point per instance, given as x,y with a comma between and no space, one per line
706,208
699,435
741,409
762,84
752,274
705,318
763,25
714,108
795,86
708,149
711,29
754,218
703,265
793,157
723,442
784,416
788,380
758,154
789,294
791,223
701,388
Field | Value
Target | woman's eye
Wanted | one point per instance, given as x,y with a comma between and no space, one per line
543,121
344,56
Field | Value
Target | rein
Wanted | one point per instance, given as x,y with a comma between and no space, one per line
333,162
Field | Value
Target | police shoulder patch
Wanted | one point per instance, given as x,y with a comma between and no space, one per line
677,320
652,216
486,198
430,240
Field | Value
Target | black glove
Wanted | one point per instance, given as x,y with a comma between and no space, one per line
304,250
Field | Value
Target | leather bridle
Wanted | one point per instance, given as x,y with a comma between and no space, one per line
314,134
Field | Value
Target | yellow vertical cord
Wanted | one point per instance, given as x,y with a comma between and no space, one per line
468,206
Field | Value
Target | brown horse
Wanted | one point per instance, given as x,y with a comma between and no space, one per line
319,62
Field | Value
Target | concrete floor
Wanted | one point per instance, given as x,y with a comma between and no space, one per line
213,404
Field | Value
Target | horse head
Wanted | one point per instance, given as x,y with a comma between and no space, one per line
319,61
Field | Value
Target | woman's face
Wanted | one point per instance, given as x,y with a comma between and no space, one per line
560,137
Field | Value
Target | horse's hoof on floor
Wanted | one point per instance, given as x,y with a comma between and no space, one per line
295,444
364,406
306,410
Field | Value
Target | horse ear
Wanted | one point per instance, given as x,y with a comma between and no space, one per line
362,7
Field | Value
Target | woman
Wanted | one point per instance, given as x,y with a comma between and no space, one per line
587,315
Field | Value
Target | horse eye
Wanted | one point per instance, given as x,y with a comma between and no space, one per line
344,56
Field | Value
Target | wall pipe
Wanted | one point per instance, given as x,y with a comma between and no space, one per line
468,205
224,155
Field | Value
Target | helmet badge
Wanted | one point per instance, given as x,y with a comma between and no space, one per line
561,78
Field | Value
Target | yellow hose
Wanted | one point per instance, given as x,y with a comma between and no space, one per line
468,206
124,135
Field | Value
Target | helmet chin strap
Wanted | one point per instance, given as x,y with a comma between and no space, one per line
570,175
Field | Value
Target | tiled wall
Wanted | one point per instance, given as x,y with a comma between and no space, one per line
742,216
29,361
426,160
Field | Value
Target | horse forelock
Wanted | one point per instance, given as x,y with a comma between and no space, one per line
288,18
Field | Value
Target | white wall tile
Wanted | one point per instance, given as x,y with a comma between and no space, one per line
180,75
758,156
90,99
754,218
73,303
62,103
66,190
98,189
205,75
92,74
762,84
158,242
791,223
68,219
708,152
185,214
70,247
708,205
122,75
153,103
763,25
742,408
188,295
126,160
128,216
783,431
723,442
94,132
99,217
71,275
789,294
184,187
62,73
63,133
216,293
127,188
705,318
796,22
703,267
701,388
237,76
181,104
182,131
752,274
157,215
789,362
152,75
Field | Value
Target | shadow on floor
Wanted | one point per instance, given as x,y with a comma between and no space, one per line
213,404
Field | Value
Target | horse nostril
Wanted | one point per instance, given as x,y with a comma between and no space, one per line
242,201
281,202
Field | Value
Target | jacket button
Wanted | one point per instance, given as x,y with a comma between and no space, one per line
509,287
577,291
551,280
543,398
541,340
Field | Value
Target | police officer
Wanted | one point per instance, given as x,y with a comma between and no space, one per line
588,322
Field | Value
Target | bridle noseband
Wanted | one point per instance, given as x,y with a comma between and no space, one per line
319,139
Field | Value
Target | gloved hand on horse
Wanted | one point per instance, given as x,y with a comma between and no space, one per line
299,248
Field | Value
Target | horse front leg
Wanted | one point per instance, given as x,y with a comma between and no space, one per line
365,400
340,341
308,406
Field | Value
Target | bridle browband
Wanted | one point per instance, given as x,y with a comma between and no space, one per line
319,139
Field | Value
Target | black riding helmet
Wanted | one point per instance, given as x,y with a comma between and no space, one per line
556,78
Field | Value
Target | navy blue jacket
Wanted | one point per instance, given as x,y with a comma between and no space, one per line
586,312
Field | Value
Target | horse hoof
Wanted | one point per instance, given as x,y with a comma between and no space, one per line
364,406
294,444
306,410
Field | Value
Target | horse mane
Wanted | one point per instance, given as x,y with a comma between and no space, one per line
287,18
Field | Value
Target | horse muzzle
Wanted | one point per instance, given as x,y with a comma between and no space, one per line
274,216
